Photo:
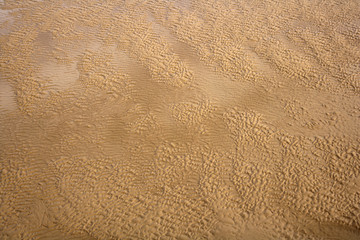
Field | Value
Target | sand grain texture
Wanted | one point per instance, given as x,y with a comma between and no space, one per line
157,119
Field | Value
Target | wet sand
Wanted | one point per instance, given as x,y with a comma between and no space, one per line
178,119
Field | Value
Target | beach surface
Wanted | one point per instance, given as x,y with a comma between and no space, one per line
170,119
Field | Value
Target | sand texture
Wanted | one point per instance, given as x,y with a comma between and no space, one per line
179,119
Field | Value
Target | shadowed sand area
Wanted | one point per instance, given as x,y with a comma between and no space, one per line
198,119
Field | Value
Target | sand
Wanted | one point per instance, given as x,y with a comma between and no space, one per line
175,119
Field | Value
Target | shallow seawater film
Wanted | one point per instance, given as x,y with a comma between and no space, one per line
197,119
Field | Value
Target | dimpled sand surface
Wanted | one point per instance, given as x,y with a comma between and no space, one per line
174,119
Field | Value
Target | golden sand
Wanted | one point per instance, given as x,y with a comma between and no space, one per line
159,119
